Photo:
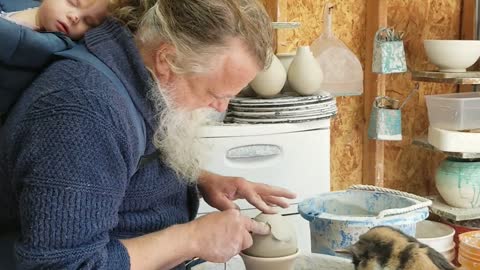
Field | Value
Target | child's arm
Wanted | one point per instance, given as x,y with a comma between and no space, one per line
17,5
25,48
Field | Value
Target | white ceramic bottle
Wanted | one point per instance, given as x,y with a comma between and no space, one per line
286,59
270,82
305,74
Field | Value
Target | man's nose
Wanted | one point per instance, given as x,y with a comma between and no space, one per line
220,105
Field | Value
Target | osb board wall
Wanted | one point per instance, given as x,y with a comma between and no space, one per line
407,167
347,127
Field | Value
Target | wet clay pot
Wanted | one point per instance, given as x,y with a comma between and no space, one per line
275,251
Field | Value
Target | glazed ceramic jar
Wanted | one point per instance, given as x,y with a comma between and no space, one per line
458,182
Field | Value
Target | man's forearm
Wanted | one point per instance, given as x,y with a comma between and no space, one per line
160,250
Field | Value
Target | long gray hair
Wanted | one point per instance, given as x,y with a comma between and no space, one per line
197,29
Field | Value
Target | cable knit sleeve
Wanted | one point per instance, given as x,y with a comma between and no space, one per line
71,174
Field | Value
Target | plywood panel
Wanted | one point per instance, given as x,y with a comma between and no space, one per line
272,8
348,23
346,143
409,167
347,127
373,150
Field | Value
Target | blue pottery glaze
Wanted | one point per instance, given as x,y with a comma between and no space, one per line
337,219
385,124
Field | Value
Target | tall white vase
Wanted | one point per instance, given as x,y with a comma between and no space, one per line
270,82
305,74
286,60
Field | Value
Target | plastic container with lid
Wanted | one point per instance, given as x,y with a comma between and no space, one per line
458,111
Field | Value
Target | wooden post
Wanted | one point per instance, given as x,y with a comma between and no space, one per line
468,27
272,8
277,10
468,31
373,150
282,16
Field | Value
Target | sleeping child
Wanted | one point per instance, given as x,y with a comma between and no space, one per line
30,37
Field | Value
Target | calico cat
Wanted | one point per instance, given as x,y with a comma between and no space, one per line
386,248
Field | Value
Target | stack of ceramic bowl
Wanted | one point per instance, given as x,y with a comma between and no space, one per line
438,236
469,250
282,109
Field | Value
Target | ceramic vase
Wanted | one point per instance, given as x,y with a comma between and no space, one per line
286,60
305,75
270,81
458,182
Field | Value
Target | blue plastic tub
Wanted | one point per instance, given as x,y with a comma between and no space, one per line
337,219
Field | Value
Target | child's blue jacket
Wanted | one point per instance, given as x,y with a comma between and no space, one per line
23,53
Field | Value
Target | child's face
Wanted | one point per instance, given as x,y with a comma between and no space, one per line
72,17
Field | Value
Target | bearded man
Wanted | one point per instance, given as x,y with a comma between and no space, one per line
71,191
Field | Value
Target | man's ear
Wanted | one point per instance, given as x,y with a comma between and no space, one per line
163,58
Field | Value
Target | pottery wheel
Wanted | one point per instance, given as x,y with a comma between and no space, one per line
303,262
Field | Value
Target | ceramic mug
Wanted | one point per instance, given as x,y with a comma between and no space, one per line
385,122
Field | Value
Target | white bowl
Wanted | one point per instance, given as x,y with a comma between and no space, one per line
449,254
452,55
436,235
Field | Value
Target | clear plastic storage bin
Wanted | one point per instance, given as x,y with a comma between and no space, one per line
459,111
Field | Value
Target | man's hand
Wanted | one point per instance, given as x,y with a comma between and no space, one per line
219,236
220,192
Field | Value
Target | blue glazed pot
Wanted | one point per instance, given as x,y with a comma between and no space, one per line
458,182
337,219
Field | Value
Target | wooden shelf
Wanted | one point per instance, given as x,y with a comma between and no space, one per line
285,25
469,77
352,94
440,208
423,142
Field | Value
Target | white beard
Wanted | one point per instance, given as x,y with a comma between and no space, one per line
176,136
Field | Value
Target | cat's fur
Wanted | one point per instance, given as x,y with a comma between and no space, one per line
386,248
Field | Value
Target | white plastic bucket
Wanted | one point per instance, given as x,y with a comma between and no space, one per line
337,219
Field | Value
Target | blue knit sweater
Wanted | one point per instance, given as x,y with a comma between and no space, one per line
68,166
